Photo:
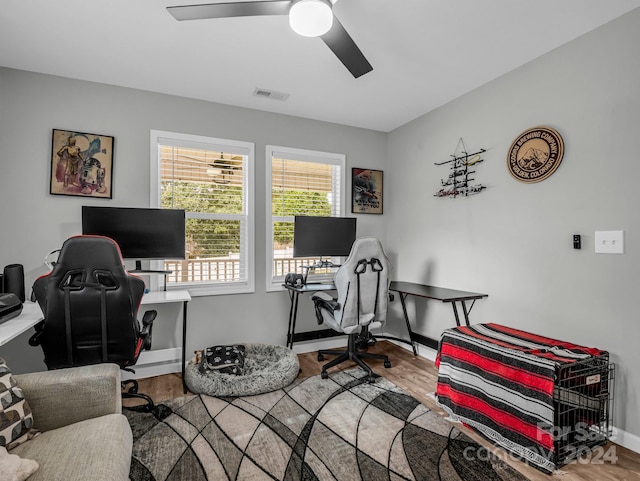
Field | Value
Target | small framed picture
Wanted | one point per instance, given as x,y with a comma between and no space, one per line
366,191
81,164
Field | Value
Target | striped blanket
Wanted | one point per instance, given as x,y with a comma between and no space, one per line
500,382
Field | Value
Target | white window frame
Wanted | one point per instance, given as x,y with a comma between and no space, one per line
274,284
211,143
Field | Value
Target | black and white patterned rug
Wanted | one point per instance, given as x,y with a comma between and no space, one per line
341,428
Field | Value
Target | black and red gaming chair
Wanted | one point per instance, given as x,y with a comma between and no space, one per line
90,305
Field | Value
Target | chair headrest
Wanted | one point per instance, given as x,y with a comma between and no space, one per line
366,248
90,252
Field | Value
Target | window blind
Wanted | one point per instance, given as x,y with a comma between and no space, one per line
210,184
301,184
305,188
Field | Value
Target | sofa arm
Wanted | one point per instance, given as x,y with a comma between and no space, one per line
64,396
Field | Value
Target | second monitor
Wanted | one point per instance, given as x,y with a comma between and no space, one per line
323,237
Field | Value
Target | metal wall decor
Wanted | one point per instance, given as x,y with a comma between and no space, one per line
535,154
458,181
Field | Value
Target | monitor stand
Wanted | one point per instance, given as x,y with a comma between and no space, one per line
323,264
140,270
318,265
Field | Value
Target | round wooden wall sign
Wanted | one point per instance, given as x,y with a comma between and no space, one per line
535,154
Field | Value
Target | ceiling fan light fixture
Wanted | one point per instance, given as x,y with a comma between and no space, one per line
311,18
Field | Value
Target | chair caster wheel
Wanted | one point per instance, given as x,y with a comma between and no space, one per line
387,364
324,375
371,380
320,357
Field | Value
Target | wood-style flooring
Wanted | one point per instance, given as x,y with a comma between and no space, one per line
418,377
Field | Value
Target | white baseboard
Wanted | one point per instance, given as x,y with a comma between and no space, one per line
156,363
340,341
625,439
423,351
315,345
333,342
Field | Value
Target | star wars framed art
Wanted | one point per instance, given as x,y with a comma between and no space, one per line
81,164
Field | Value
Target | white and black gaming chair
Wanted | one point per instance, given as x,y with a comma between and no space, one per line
362,284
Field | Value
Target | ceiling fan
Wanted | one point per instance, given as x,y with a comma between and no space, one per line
310,18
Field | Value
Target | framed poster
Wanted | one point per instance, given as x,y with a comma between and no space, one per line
366,191
81,164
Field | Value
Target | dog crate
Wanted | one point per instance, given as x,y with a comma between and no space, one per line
545,401
583,399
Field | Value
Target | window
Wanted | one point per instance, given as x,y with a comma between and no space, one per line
299,182
212,180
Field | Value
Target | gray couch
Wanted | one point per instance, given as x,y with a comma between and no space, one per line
84,434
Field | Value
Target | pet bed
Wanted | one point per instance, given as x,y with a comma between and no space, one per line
266,368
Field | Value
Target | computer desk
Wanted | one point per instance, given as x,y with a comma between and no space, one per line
32,314
403,289
29,317
172,297
294,296
443,294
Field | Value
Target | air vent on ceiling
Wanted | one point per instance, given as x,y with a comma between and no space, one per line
270,94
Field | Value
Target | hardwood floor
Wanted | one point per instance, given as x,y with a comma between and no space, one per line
417,376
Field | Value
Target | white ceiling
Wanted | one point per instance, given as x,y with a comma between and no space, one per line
424,52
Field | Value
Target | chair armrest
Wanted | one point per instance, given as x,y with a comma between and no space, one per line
65,396
322,300
147,325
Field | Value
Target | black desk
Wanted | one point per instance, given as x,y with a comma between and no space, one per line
453,296
404,289
294,294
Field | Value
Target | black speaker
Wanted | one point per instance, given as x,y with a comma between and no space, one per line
13,280
295,280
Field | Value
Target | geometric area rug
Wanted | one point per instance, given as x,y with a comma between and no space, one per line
336,429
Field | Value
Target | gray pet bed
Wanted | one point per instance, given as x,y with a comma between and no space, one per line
266,368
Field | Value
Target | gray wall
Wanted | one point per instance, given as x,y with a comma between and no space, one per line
513,241
33,223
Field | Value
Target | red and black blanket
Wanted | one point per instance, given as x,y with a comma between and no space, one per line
500,382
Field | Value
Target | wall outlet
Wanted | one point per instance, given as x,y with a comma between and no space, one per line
609,242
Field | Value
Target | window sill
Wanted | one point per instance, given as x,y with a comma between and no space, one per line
276,287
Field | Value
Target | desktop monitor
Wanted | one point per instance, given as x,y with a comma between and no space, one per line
141,233
323,236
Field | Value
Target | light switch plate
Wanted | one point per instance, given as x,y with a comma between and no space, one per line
609,242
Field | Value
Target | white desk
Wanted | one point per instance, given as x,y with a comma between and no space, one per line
165,297
29,317
168,297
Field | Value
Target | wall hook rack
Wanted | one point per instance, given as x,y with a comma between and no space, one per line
458,181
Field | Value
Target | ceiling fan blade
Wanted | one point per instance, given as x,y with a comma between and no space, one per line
233,9
341,44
